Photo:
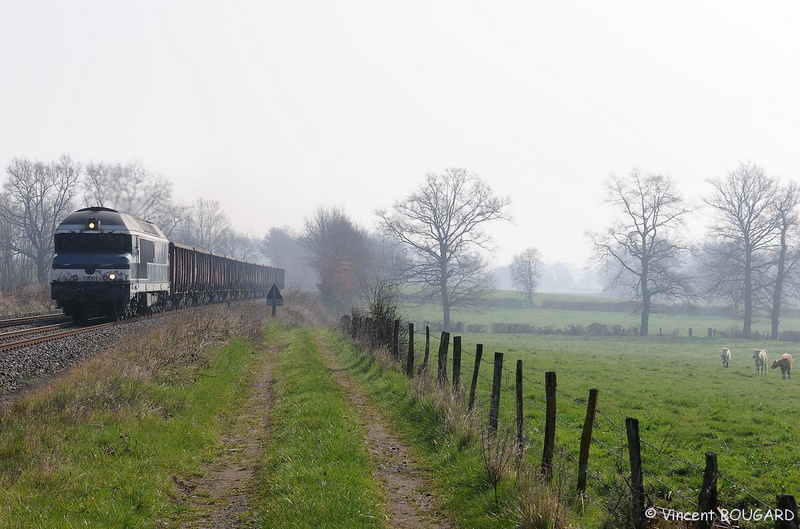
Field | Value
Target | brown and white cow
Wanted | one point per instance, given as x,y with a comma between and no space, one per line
761,357
785,363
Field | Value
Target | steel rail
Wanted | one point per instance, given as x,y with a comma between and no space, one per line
35,330
10,322
40,339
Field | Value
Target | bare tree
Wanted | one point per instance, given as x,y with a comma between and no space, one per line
37,198
787,259
242,247
340,252
132,188
642,248
526,270
206,227
441,224
746,231
15,268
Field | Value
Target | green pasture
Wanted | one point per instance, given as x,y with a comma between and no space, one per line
686,402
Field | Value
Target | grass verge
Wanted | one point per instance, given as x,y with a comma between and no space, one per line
101,446
452,452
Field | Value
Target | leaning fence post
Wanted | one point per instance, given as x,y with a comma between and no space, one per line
520,434
456,362
707,501
549,425
410,357
637,481
586,440
473,386
788,510
441,372
494,405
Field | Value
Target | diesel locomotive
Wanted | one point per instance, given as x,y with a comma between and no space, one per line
109,263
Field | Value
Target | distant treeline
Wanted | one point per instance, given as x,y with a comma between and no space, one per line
605,305
598,329
594,329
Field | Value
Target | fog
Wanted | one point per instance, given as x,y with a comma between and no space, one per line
274,109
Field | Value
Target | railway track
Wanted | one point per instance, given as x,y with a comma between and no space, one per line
70,330
27,320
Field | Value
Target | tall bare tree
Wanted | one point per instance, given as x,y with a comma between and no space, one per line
642,249
37,197
746,231
442,225
787,253
526,270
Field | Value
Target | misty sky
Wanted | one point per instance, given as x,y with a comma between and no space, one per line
277,108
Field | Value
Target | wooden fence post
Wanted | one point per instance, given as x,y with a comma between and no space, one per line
396,340
427,349
441,372
549,425
474,384
637,481
456,363
586,440
520,434
707,501
410,356
494,405
787,507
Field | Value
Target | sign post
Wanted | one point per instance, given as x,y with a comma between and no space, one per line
274,299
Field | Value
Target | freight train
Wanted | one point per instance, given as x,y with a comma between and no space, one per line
112,264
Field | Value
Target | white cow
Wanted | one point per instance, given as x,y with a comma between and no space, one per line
726,356
761,357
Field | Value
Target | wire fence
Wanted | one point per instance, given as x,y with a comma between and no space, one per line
610,481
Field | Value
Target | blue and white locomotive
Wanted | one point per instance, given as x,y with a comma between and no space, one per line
109,263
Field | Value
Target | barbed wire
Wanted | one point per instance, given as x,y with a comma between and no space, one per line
607,423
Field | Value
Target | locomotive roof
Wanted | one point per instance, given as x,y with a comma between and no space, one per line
110,220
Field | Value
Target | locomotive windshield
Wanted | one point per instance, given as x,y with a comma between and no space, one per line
93,242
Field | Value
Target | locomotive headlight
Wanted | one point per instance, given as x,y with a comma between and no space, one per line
74,277
112,276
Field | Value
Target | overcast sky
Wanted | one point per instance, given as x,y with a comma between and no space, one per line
277,108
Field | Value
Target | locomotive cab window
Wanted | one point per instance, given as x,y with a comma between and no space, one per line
93,242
